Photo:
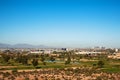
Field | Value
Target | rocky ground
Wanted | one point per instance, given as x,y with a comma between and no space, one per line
59,74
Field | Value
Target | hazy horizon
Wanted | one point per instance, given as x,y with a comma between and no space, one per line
60,23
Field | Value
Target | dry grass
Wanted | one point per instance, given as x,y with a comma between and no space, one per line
59,74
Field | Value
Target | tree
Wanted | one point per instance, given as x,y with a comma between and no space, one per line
54,52
100,64
43,59
18,58
68,59
24,60
6,57
35,62
52,59
62,56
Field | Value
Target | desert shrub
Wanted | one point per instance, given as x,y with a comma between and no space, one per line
99,78
6,74
36,78
27,78
14,70
38,67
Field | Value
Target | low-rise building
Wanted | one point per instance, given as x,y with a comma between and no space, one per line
114,56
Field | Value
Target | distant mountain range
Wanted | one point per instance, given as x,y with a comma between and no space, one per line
21,46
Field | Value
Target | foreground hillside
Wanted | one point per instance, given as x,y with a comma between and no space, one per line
60,74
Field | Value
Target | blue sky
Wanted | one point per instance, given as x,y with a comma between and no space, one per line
60,23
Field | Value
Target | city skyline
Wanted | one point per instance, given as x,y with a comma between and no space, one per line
60,23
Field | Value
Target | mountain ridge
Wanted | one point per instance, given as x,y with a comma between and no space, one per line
22,45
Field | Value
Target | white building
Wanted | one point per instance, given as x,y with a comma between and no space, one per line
87,52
